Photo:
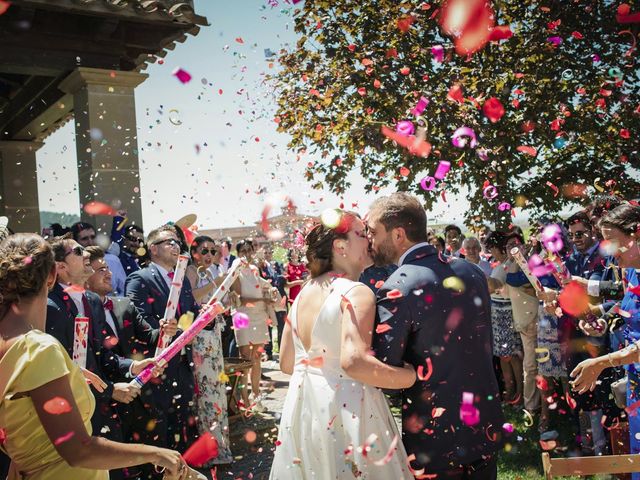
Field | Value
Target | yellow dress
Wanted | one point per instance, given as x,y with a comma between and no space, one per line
32,361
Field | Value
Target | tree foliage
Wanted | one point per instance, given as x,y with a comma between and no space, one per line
567,78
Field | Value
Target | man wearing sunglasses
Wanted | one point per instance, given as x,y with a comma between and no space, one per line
67,300
127,242
148,288
85,234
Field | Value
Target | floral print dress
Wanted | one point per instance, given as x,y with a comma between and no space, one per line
211,386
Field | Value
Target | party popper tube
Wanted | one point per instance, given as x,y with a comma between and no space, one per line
207,314
522,263
80,341
174,299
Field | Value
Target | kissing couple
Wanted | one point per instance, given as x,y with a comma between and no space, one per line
426,331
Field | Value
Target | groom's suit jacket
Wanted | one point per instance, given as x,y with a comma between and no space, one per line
439,312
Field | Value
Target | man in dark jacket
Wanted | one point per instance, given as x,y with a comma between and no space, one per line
434,313
148,288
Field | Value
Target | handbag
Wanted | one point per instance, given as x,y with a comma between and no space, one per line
191,475
619,390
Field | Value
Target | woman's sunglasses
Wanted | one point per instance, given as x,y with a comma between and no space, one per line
206,251
78,251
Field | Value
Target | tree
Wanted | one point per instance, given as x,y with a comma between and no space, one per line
567,80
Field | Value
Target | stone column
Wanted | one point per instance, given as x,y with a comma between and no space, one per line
106,141
19,185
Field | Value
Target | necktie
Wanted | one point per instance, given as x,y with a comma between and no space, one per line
171,275
108,304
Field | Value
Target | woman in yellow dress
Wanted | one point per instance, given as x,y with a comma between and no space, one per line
45,402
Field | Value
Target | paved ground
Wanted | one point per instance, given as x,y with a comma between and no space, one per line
253,439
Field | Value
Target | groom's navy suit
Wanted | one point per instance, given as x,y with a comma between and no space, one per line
171,399
438,308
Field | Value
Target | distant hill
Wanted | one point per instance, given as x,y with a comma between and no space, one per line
64,219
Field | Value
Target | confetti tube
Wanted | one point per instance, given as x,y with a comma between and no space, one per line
560,271
80,341
174,299
208,312
522,263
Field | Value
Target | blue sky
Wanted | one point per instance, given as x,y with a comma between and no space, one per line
220,183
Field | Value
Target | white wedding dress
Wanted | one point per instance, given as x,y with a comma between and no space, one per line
332,426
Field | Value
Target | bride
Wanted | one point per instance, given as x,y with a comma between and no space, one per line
335,423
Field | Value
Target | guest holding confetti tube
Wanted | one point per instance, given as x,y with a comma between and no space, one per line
45,403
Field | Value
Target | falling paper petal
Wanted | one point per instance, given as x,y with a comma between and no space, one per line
182,75
99,208
462,135
202,450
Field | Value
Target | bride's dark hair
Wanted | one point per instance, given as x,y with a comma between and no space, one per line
320,239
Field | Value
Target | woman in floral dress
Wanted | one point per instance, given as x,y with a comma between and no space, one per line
208,360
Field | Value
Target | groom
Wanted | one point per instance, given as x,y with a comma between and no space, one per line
434,313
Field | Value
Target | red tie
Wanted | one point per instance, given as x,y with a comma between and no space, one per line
170,275
108,304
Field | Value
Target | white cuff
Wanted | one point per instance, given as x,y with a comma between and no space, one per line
593,288
131,375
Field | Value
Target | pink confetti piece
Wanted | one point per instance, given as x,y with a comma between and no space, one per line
64,438
504,206
442,170
428,183
405,128
551,238
240,320
438,53
420,106
182,75
423,377
490,192
469,414
463,135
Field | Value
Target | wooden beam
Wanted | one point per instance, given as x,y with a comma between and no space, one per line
565,467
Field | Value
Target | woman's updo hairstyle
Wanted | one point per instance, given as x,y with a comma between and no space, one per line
26,260
334,224
625,218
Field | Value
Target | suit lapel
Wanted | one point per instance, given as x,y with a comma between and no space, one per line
65,299
159,280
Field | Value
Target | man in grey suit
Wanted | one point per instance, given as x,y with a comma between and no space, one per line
434,313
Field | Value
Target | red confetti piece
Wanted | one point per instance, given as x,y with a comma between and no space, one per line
382,328
500,32
239,40
493,109
202,450
404,24
554,188
574,299
4,6
528,150
570,401
470,22
455,94
635,290
420,371
99,208
390,453
548,445
404,171
57,406
379,283
416,146
393,294
316,362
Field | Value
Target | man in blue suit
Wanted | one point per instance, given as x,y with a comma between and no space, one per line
436,313
148,288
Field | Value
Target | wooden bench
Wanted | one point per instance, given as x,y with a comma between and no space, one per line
564,467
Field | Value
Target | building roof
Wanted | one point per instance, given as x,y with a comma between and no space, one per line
43,41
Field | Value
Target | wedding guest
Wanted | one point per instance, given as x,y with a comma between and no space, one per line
85,234
67,300
128,336
127,243
296,274
227,257
525,306
273,271
208,360
250,288
506,342
472,250
483,232
453,238
438,242
49,440
148,288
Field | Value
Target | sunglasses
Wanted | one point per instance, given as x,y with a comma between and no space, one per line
171,241
206,251
579,234
134,239
78,251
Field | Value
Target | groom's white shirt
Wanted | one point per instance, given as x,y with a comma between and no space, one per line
411,249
